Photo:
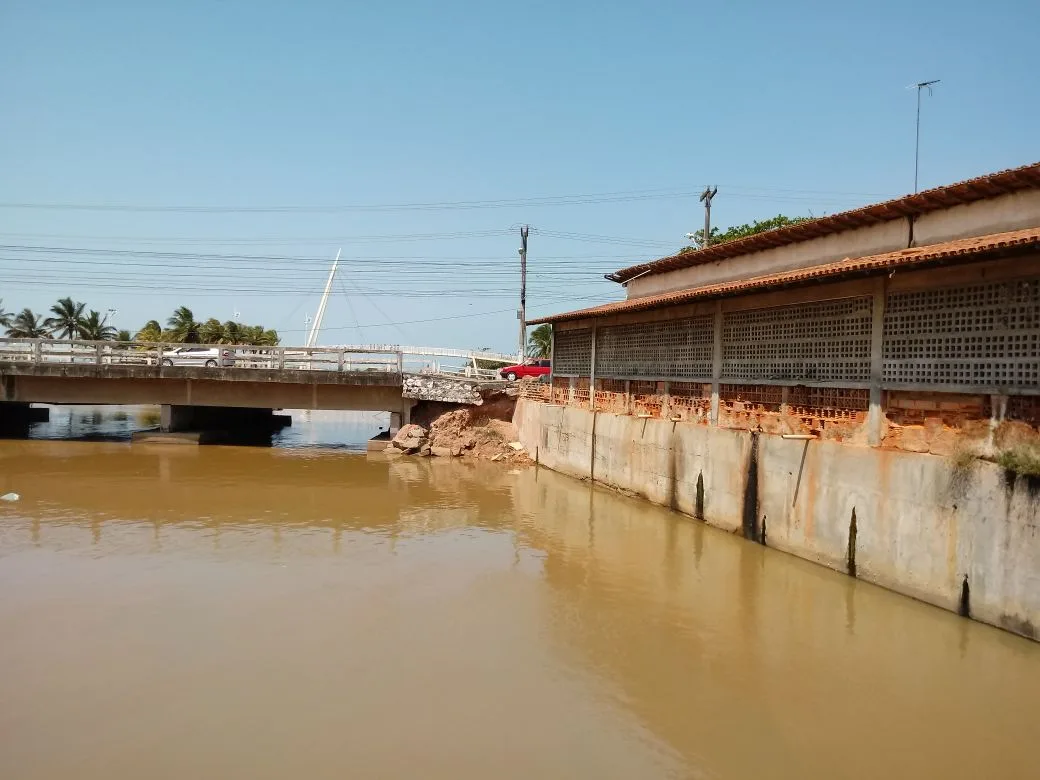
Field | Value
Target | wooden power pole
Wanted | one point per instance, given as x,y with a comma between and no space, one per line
706,196
522,313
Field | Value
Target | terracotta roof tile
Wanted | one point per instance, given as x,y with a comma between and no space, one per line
1004,182
977,248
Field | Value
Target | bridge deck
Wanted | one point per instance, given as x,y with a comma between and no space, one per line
374,377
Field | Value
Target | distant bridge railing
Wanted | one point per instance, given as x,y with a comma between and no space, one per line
386,358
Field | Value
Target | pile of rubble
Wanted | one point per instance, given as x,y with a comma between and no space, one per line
454,435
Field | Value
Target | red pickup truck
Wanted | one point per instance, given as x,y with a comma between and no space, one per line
527,368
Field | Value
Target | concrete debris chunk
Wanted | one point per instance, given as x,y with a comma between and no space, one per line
410,439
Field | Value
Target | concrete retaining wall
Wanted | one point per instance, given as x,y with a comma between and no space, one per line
965,539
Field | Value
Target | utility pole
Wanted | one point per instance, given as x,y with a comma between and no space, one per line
522,313
917,138
706,196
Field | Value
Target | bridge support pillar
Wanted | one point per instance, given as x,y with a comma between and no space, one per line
220,418
402,418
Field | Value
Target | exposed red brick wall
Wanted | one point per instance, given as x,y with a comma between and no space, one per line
647,398
611,396
751,407
939,423
1024,408
689,401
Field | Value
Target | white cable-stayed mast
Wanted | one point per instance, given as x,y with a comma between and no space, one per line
312,337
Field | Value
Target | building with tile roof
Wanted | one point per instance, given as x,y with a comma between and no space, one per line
872,325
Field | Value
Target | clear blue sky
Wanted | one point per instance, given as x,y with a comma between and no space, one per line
326,107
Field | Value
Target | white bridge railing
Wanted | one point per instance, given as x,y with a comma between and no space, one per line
385,358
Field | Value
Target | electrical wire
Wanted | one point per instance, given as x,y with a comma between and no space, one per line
520,202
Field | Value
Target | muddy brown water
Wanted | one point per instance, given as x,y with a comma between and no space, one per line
304,611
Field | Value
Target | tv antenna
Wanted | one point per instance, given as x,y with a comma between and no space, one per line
917,138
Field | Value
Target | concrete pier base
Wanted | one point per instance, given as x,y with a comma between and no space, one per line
15,418
215,425
158,437
174,419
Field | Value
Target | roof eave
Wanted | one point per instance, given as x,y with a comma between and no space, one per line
1003,245
959,193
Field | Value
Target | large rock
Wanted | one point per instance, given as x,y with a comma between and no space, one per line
410,439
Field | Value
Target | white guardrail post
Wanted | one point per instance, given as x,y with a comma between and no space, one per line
384,358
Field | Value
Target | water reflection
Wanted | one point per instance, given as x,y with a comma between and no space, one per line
300,612
311,429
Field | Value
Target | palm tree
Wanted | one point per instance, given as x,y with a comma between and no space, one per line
539,343
268,338
211,331
124,336
67,319
93,328
151,332
183,327
27,325
251,334
5,316
232,333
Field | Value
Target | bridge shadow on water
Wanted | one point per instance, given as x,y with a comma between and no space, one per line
340,431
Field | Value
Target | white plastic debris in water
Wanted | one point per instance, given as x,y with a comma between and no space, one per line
9,497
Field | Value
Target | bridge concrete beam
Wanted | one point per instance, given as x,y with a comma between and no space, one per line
201,392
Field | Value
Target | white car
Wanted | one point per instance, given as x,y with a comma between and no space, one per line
210,357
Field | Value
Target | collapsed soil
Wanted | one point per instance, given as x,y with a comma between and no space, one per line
483,432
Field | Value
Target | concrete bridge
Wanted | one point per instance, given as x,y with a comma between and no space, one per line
236,386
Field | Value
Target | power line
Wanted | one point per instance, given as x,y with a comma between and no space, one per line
433,319
210,291
548,200
276,278
384,315
519,202
376,238
487,260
